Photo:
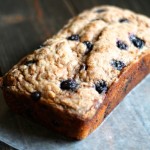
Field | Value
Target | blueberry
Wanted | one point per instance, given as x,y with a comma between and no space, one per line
100,10
89,46
36,95
122,45
122,20
30,62
119,65
83,67
137,42
101,87
68,85
74,37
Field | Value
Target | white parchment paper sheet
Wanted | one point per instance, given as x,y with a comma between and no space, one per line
126,128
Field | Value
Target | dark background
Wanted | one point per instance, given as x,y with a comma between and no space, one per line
25,24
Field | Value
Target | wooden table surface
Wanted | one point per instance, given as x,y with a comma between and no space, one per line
25,24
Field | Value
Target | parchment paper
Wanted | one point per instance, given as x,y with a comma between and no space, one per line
126,128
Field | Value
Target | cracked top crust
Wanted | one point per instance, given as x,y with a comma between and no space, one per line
92,50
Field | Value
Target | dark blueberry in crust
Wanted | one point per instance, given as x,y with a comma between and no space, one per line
36,95
121,45
137,42
83,67
100,10
119,65
122,20
74,37
101,87
89,46
68,85
30,62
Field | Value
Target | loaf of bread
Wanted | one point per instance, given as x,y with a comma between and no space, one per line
79,75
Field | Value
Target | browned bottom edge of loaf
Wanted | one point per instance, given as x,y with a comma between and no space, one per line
73,126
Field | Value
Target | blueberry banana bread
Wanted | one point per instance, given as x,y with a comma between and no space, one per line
80,74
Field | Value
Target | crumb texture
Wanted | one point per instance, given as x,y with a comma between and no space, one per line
75,68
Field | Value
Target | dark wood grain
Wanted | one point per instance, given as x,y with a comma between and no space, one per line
139,6
24,25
